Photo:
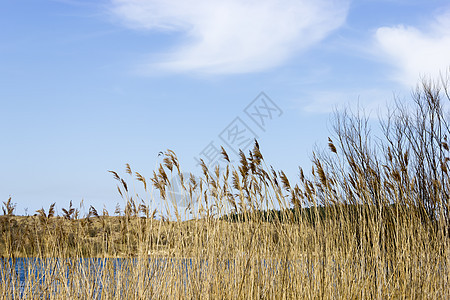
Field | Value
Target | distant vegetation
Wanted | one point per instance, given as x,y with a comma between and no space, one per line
371,221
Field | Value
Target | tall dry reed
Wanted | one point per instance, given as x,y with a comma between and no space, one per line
370,221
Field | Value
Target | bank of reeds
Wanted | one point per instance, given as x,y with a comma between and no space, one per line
370,221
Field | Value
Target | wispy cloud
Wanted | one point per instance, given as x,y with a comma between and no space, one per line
234,36
372,101
416,52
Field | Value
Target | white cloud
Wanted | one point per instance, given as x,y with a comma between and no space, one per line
372,101
234,36
416,52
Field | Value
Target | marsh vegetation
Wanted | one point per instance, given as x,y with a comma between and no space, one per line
371,220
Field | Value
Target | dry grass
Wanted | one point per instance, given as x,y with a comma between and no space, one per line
371,221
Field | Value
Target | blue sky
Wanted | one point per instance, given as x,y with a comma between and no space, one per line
87,86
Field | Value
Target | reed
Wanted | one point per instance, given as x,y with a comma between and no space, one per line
371,220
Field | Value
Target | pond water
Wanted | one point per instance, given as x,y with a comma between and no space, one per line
19,273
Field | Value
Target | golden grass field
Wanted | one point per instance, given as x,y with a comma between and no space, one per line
371,221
